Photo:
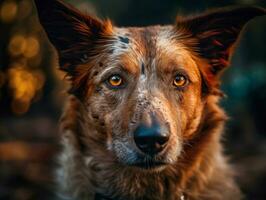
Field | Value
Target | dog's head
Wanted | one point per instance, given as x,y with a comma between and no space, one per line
144,88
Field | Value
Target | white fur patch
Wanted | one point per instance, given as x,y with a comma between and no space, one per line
167,42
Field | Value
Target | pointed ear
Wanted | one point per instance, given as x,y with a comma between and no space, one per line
74,35
215,34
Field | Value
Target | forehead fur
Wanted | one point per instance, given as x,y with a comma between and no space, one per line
153,47
148,51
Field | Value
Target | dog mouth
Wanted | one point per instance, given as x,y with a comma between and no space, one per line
149,164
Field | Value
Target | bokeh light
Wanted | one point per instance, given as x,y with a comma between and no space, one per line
17,45
24,85
32,47
8,11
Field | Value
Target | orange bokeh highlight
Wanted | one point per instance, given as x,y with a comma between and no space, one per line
26,46
24,85
8,11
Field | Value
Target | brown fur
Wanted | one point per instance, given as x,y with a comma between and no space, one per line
99,153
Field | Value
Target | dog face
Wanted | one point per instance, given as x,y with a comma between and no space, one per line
144,89
139,92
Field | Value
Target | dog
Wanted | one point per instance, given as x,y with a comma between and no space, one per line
143,119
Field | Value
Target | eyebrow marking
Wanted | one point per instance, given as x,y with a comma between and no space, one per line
142,69
124,39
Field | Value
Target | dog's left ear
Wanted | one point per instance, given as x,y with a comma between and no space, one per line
215,34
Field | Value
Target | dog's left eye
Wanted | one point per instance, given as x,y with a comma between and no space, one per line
180,80
115,81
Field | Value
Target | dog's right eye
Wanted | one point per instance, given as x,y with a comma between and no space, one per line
115,81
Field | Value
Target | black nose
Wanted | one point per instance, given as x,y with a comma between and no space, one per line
150,140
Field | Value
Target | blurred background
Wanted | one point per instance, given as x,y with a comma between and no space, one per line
32,93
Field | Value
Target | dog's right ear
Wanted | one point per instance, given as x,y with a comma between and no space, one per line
76,36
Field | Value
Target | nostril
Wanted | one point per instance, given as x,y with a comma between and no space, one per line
162,140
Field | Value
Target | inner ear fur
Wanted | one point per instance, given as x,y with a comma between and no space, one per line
213,36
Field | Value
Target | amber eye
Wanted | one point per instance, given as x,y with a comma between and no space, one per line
115,80
180,80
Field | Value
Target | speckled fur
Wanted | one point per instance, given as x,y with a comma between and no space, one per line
98,121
